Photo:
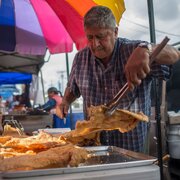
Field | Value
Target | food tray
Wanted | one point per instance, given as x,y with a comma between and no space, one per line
102,158
55,130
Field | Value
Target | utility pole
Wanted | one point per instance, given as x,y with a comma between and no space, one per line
61,82
156,89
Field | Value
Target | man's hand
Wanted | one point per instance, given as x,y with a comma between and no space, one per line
62,109
137,66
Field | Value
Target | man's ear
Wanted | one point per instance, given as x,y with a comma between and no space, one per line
116,32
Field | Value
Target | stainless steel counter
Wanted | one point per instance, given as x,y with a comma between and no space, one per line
106,162
32,122
146,172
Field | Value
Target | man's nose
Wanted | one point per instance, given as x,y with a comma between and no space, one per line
95,42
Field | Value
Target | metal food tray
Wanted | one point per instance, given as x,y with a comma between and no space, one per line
102,158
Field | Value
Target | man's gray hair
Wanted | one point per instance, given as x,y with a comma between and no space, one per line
99,16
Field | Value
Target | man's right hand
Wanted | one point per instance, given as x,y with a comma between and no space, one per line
62,109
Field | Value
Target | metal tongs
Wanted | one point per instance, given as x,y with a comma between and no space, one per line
113,104
17,125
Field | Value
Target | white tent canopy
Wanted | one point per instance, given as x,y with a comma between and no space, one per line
20,63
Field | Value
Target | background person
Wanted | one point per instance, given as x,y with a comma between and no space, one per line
15,102
101,69
55,99
24,100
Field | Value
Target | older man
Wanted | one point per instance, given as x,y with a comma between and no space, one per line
101,69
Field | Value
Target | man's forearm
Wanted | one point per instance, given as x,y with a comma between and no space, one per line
68,97
169,55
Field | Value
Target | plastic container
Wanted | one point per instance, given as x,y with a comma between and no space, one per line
174,141
59,123
70,121
78,116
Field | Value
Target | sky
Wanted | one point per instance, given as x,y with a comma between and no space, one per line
133,25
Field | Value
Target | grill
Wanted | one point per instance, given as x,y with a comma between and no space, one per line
102,158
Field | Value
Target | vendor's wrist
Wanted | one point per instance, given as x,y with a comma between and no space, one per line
147,47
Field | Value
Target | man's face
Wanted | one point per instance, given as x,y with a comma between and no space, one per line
101,41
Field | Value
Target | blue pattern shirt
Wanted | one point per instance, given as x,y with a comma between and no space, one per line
98,85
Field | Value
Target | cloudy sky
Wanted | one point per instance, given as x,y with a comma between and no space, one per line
133,25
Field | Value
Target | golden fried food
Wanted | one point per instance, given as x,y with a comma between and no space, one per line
4,139
11,131
46,151
54,157
40,142
10,152
91,139
122,120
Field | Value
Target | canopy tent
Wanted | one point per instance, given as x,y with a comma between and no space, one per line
15,78
8,80
20,63
6,91
10,59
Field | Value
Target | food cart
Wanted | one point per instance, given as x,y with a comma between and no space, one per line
106,162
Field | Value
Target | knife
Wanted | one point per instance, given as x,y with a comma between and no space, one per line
64,119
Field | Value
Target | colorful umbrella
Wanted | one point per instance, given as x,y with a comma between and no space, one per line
31,26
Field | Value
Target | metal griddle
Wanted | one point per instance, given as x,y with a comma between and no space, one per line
111,154
102,158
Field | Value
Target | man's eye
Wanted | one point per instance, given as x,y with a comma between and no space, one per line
89,38
98,37
101,36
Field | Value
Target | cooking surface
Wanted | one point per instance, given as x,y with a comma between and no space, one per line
102,158
107,155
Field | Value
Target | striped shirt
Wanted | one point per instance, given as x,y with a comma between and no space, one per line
98,85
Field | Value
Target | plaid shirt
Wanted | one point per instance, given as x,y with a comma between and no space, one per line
98,85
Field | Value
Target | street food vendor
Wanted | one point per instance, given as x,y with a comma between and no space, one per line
55,99
101,69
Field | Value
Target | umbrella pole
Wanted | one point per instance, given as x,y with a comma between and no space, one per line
42,82
67,69
156,87
67,65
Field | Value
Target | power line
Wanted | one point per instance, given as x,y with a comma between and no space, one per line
136,29
175,44
143,26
